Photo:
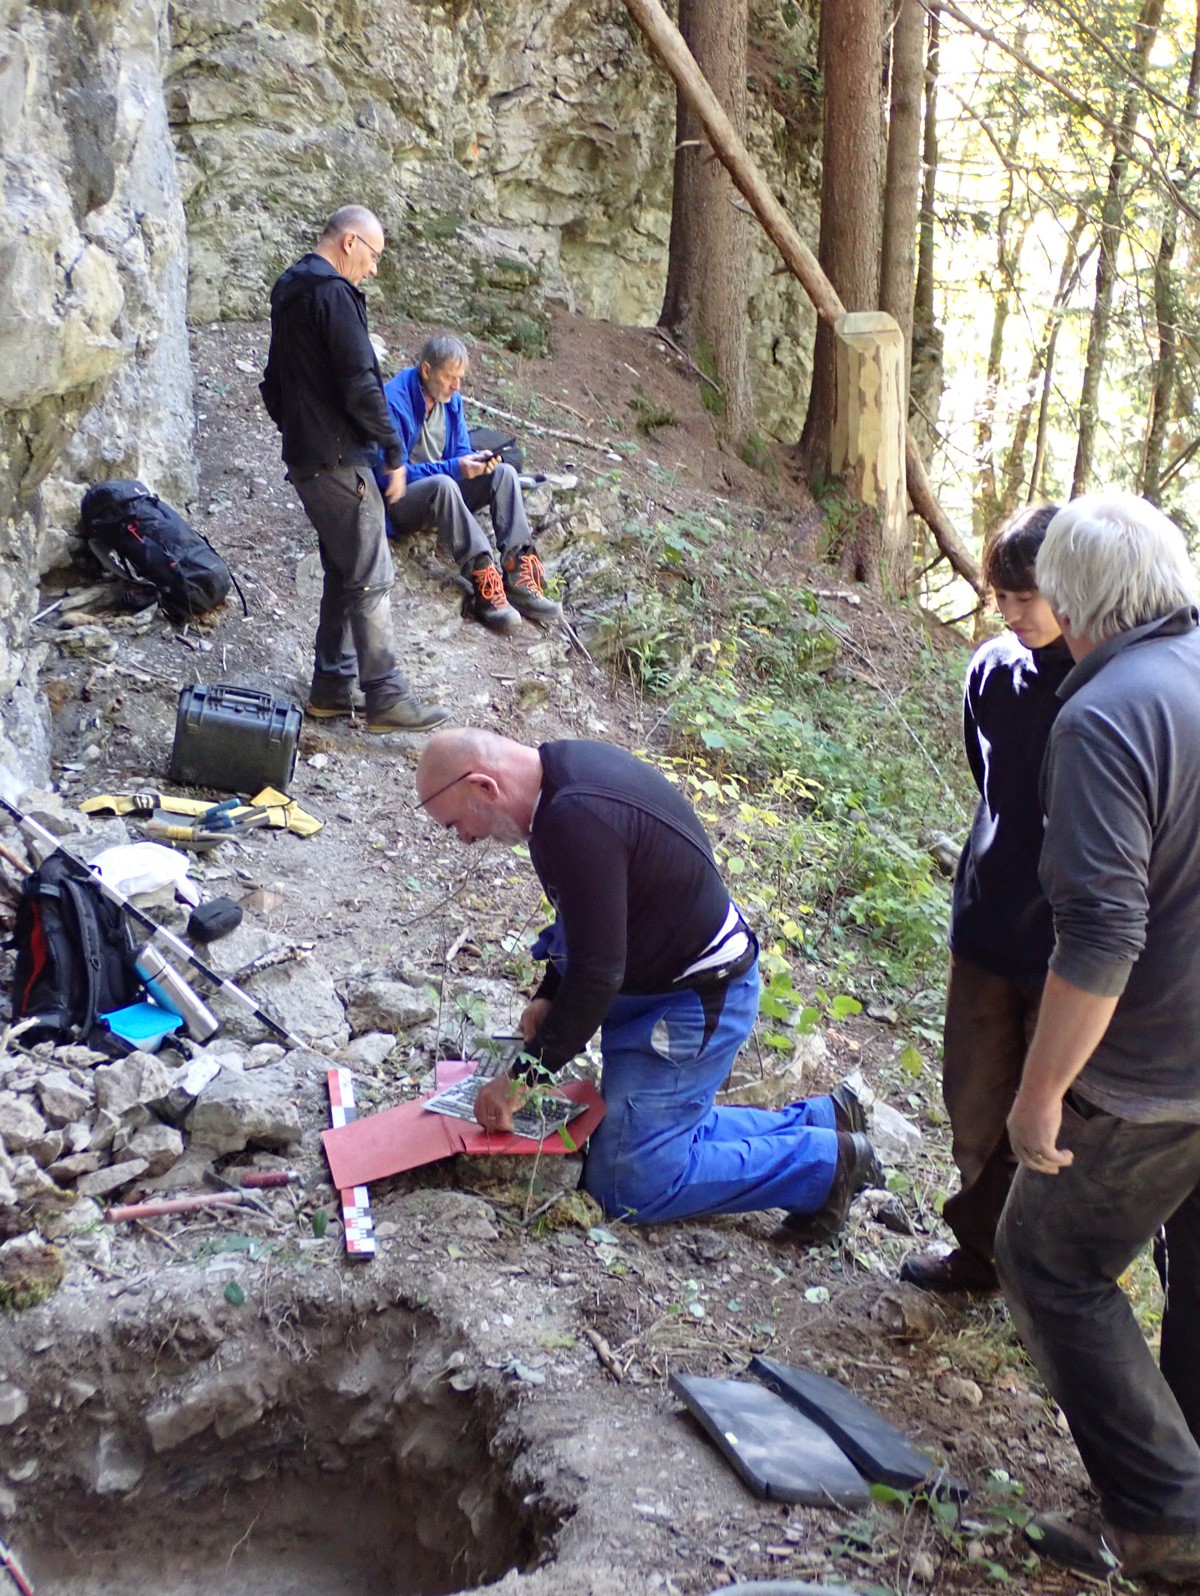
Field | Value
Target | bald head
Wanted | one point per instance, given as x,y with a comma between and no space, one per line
479,784
351,219
352,242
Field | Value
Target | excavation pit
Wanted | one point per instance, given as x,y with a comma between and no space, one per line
357,1459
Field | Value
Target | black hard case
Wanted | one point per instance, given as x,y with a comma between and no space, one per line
234,738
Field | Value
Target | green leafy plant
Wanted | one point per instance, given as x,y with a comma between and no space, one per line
650,414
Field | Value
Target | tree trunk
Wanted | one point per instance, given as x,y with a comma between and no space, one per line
1166,315
902,181
925,365
987,500
1111,219
704,306
1040,366
851,52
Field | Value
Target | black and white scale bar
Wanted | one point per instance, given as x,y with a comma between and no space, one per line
357,1225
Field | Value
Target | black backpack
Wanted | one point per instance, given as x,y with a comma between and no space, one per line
131,529
75,951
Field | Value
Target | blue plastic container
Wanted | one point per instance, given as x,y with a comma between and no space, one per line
142,1025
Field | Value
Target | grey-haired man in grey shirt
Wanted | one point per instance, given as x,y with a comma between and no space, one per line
1106,1123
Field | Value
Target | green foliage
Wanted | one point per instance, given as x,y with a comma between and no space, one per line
756,452
980,1541
649,413
815,787
711,396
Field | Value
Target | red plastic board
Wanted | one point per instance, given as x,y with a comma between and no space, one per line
408,1136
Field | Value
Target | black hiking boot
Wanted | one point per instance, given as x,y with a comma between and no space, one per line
488,602
848,1111
950,1271
857,1168
523,579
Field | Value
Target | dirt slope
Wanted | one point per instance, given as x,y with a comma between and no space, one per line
649,1506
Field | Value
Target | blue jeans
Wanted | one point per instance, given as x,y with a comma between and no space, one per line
663,1151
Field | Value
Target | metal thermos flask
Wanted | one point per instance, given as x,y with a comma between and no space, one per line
168,987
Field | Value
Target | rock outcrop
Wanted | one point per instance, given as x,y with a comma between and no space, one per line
94,372
515,153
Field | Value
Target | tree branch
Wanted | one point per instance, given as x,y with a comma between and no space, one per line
1153,165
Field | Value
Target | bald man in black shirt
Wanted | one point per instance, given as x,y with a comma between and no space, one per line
648,947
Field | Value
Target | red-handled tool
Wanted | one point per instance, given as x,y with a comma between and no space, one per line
8,1561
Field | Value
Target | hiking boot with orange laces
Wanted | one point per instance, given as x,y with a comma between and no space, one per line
523,578
488,602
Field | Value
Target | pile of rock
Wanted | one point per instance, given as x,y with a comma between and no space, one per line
91,1125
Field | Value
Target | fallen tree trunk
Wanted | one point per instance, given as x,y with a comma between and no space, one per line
667,43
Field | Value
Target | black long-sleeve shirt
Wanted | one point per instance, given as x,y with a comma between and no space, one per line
627,865
1000,919
322,386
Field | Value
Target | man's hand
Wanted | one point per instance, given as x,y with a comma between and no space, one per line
1033,1128
533,1017
497,1102
479,464
397,481
1071,1024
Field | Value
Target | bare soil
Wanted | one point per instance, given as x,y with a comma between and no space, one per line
564,1337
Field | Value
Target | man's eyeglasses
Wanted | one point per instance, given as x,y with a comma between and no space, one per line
375,253
423,803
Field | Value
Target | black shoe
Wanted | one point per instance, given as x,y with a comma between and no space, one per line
848,1111
406,714
1079,1543
1090,1546
857,1168
523,579
950,1271
488,602
337,708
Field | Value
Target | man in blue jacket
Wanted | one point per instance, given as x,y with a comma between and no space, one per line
448,482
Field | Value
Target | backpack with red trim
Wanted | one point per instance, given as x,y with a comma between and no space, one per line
75,953
132,530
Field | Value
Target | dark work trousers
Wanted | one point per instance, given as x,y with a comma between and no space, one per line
1063,1243
354,632
1179,1267
445,504
989,1025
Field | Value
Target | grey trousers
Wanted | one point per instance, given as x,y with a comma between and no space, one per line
1063,1243
446,505
354,632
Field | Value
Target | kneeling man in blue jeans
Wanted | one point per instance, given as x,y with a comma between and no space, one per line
648,947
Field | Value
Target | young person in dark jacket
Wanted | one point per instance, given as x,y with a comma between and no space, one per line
323,390
1001,931
648,948
448,482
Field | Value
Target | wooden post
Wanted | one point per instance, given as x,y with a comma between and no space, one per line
868,431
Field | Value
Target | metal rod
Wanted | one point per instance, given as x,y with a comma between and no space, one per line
243,999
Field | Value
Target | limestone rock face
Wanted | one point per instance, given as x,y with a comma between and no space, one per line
93,351
515,152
